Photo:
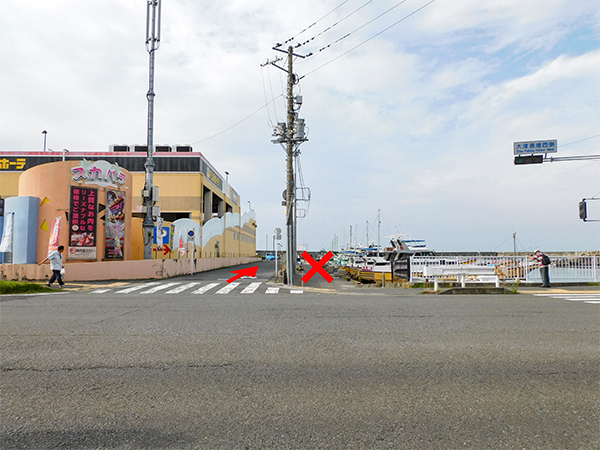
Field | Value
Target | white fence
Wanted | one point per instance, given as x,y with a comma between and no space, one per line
564,269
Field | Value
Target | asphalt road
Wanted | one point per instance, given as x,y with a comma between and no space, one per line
356,369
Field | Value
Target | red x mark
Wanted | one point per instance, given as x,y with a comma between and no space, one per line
317,267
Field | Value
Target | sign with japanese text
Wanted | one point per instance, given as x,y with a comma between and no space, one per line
114,239
101,173
82,223
10,164
533,147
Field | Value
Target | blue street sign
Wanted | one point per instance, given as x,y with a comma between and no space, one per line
165,234
535,147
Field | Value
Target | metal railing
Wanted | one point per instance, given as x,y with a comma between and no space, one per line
564,269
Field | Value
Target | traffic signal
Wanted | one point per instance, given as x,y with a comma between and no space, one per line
582,210
533,159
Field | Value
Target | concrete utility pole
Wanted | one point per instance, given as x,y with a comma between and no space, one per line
150,192
292,134
291,188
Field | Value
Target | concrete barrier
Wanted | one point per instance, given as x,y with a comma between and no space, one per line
120,270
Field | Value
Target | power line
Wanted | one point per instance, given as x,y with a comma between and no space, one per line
371,38
313,24
581,140
362,26
239,122
333,26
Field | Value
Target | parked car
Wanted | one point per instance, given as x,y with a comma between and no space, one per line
270,256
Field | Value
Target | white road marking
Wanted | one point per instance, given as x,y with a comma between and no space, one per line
182,288
273,290
135,288
227,289
205,288
251,288
159,288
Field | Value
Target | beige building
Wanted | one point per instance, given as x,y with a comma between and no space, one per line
201,211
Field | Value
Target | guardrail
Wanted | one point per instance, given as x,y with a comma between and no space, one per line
564,269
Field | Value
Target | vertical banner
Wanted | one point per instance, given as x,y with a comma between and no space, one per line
54,235
7,235
114,240
82,229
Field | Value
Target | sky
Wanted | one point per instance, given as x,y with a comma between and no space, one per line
411,107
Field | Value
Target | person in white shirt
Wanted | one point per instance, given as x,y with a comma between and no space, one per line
56,264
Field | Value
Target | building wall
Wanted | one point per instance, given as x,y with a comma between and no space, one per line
52,183
189,187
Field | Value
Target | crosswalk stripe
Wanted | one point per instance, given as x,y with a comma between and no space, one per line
227,289
136,287
205,288
178,288
159,288
182,288
251,288
585,298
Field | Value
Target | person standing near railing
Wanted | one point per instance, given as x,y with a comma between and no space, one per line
544,262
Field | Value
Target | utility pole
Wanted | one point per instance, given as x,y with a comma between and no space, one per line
291,133
150,192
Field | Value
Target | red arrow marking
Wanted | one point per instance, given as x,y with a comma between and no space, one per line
166,249
248,272
317,267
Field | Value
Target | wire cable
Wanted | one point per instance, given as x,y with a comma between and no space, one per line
237,123
581,140
363,25
313,24
332,26
369,39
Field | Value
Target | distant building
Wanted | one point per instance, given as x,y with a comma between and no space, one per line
193,196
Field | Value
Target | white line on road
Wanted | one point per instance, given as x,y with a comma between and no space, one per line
273,290
227,289
180,289
205,288
159,288
135,288
251,288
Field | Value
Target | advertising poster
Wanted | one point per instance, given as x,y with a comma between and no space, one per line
54,234
115,225
82,227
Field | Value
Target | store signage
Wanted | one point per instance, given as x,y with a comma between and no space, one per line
82,223
101,173
114,234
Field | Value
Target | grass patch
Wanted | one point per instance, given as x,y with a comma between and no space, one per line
22,287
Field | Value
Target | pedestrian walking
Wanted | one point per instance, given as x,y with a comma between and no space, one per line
544,262
56,264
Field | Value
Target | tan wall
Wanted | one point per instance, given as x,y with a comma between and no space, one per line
9,184
119,270
51,183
